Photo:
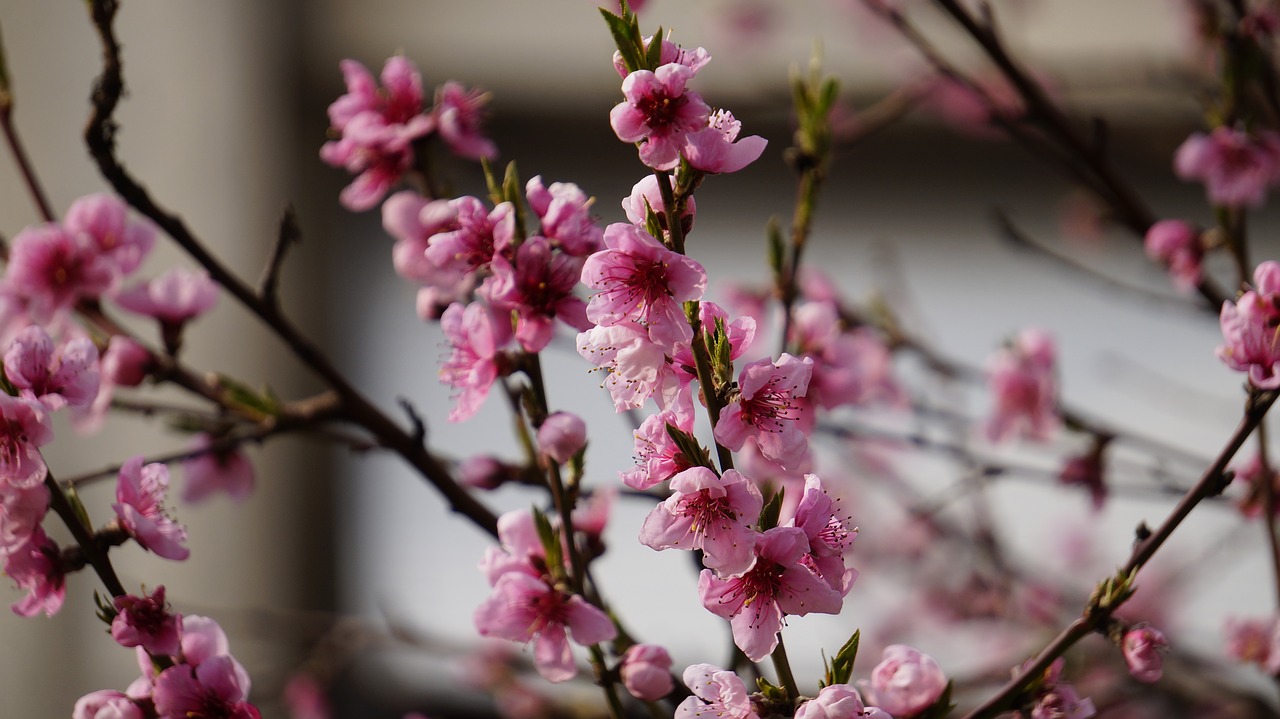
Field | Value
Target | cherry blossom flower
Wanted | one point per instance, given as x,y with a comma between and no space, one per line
714,514
377,129
906,681
1251,475
1235,167
838,701
36,566
716,693
458,113
1249,329
638,280
22,509
54,376
1059,700
104,219
52,269
146,622
849,367
564,211
24,428
224,470
1177,244
218,687
716,148
140,507
538,288
828,533
203,639
306,698
1254,641
477,234
106,704
1142,646
475,338
658,458
635,368
766,409
1021,378
776,585
659,111
412,220
646,195
646,672
521,548
524,608
740,333
562,435
125,363
177,296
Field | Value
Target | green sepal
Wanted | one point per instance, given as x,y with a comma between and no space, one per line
695,454
653,223
263,401
721,354
770,691
491,181
840,670
513,192
106,608
550,539
771,510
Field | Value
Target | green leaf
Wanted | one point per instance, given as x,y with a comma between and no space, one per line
491,181
262,401
623,38
550,539
770,511
653,222
842,663
694,453
513,192
653,56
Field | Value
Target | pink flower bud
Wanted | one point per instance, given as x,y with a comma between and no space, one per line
646,672
1142,646
125,363
485,472
838,701
562,435
906,681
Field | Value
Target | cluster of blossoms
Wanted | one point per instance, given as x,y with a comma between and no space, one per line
1023,382
377,127
186,663
1249,329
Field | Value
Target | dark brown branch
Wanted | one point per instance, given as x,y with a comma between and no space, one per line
100,138
288,235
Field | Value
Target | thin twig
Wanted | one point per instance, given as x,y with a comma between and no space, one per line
288,235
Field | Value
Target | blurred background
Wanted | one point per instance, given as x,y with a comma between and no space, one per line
224,118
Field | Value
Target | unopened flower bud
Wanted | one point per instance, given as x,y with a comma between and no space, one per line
646,672
562,435
1142,646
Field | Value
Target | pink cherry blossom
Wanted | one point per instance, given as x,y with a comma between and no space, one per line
1059,700
52,269
646,195
125,363
54,376
694,59
377,129
36,566
104,219
1236,168
562,435
659,111
1254,641
740,332
714,514
526,609
767,410
635,368
776,585
565,213
1177,244
217,688
24,428
1249,329
591,516
146,622
716,693
638,280
140,506
646,672
521,548
716,147
306,698
538,288
838,701
1022,380
906,681
177,296
1142,646
412,219
850,367
226,470
486,472
106,704
657,456
476,234
828,533
203,639
1086,470
22,509
458,115
1250,474
475,338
